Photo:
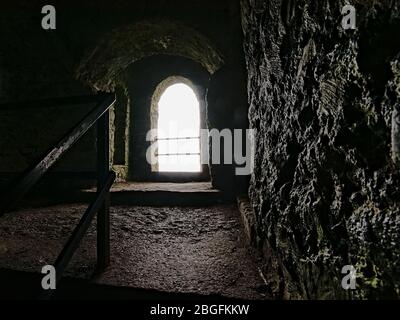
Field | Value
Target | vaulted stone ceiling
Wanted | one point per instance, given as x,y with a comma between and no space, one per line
103,64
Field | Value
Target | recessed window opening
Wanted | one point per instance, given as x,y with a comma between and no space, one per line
178,130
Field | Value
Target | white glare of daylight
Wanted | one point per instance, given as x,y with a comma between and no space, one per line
178,117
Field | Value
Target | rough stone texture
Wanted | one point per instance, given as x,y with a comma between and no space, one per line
248,219
123,47
325,189
192,250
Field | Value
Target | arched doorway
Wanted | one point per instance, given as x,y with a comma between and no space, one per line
170,49
148,81
177,115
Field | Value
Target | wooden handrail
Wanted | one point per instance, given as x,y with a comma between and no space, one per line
79,232
105,178
33,174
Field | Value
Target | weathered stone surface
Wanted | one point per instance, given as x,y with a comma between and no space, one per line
193,249
123,47
325,188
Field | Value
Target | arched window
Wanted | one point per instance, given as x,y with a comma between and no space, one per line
178,130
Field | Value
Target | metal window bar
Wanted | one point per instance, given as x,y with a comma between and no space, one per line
178,153
177,138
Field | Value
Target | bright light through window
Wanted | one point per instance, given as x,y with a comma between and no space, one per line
178,130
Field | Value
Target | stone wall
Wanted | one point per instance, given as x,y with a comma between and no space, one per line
325,190
92,48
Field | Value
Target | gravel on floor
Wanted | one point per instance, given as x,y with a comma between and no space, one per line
174,249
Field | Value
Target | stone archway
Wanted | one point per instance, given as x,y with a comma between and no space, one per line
102,66
147,80
159,91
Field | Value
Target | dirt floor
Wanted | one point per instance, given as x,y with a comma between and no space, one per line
174,249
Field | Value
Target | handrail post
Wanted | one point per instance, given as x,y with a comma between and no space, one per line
103,215
28,179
